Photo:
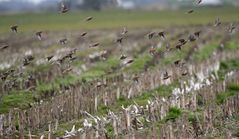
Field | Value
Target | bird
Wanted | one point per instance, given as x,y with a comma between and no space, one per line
49,57
95,44
161,34
89,18
83,34
190,11
177,62
64,8
119,40
39,35
198,2
179,46
14,28
197,33
151,35
217,22
5,46
63,41
122,57
166,76
125,31
191,38
129,61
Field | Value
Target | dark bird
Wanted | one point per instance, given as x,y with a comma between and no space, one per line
151,35
89,18
129,61
217,22
179,46
4,47
166,76
182,41
63,41
177,62
95,44
39,35
64,8
119,40
190,11
14,28
122,57
49,57
83,34
191,38
198,1
161,34
197,34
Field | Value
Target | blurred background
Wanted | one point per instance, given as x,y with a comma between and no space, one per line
8,6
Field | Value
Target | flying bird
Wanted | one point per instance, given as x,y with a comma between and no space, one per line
14,28
166,76
39,35
95,44
63,41
4,47
64,8
217,22
83,34
122,57
190,11
89,18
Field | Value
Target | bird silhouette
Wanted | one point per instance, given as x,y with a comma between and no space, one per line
14,28
64,8
5,46
89,18
39,35
63,41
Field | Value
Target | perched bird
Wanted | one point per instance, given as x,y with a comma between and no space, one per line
5,46
64,8
217,22
83,34
89,18
190,11
63,41
95,44
166,76
14,28
39,35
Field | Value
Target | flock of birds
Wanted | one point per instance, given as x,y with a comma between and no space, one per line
153,51
119,40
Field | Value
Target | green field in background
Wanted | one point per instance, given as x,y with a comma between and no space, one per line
115,19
